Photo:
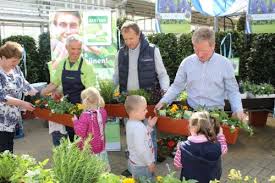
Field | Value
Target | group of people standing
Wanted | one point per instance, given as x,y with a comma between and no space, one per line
206,76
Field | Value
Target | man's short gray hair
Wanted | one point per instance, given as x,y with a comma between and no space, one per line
72,38
204,34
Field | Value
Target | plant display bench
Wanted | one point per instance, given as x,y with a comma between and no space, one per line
118,110
64,119
258,109
180,127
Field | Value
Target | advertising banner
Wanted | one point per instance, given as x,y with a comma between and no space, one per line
173,16
97,28
260,16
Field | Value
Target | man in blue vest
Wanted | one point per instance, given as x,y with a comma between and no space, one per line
139,65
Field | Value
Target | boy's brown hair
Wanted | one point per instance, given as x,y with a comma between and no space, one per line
132,102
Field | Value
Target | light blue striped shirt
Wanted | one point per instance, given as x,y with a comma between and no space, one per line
207,84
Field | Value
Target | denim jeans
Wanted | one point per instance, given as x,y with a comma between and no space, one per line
140,171
56,137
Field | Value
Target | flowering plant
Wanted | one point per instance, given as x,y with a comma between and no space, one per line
167,146
175,111
224,118
59,106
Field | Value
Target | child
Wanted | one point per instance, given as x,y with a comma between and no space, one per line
199,157
92,121
141,151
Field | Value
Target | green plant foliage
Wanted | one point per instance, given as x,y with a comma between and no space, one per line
72,165
260,89
44,50
33,65
143,93
107,89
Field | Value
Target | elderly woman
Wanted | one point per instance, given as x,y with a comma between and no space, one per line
12,85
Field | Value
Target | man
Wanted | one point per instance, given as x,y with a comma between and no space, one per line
73,73
207,77
139,65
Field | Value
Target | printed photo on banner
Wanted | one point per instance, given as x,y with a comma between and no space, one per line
261,16
173,16
98,34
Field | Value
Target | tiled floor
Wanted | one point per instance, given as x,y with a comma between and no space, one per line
254,156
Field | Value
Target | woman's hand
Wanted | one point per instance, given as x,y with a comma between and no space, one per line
152,168
26,105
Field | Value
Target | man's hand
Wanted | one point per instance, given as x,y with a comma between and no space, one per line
158,106
152,167
152,121
241,116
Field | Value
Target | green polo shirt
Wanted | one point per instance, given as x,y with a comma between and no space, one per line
88,76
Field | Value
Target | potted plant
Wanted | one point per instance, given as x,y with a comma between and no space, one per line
258,91
60,111
174,119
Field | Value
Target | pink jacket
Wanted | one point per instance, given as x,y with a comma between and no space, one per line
89,123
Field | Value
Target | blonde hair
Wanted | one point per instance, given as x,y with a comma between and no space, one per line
91,98
205,125
11,50
204,34
132,102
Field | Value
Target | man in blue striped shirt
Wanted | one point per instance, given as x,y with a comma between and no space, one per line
207,77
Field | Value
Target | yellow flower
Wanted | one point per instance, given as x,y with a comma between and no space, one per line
116,94
159,179
235,174
37,101
246,178
272,179
174,108
80,106
185,108
128,180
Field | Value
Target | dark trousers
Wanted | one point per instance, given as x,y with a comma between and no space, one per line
6,141
70,132
56,137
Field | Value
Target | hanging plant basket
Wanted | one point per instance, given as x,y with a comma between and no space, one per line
64,119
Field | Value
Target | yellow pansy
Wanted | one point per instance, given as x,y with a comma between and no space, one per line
128,180
174,108
116,94
159,179
80,106
185,108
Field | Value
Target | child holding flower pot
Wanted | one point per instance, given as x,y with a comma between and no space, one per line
141,160
92,121
199,157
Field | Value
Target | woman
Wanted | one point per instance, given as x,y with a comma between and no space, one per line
12,85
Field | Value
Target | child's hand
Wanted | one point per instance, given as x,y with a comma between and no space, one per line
152,121
221,131
74,118
152,168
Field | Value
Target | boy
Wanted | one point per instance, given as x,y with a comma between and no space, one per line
141,151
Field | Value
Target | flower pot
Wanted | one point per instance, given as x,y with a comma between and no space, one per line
116,110
173,126
258,118
231,137
64,119
150,112
27,115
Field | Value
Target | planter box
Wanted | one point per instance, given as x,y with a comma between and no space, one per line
180,127
64,119
118,110
230,137
173,126
258,118
27,115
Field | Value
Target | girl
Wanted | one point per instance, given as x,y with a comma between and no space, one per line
199,157
92,121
